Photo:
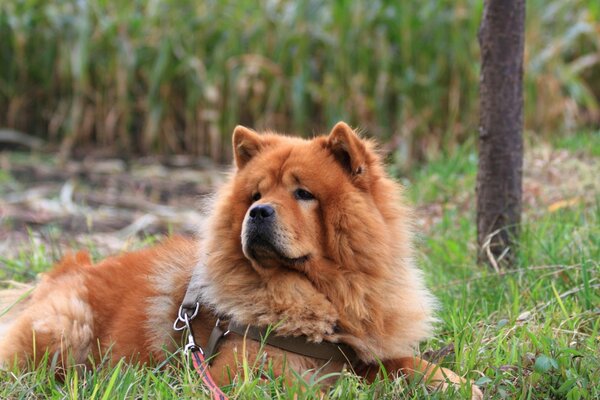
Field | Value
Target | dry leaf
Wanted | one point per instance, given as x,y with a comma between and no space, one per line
557,205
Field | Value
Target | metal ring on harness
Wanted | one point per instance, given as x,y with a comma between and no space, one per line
182,316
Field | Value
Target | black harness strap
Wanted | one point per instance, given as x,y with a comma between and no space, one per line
338,352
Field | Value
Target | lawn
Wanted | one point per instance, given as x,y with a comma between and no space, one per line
531,332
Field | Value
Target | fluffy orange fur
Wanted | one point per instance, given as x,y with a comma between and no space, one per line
335,264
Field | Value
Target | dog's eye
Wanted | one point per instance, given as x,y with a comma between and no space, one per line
302,194
256,196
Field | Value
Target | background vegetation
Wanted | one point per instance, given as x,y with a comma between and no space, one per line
172,76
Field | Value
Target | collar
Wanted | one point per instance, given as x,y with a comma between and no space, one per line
329,351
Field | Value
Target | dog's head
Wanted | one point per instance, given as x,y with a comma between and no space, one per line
300,197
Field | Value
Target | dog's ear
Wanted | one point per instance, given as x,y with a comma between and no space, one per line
246,144
348,149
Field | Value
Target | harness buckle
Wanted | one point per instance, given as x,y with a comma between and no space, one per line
183,322
191,345
219,323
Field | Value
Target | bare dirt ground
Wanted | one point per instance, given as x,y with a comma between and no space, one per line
111,203
104,202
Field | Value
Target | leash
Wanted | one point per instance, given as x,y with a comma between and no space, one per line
192,349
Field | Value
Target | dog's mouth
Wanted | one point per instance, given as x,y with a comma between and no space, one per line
267,254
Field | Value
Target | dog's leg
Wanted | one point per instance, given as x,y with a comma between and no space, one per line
415,368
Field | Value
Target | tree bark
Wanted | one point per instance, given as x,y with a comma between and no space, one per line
499,178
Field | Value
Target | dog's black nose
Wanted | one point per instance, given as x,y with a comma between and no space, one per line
262,212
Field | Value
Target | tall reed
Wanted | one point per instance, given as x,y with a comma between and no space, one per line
169,76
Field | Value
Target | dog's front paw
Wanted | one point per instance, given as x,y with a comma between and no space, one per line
315,324
299,312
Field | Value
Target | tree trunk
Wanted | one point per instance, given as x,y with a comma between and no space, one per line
501,38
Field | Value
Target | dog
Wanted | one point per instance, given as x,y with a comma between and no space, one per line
308,237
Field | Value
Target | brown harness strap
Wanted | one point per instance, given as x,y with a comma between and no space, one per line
213,341
338,352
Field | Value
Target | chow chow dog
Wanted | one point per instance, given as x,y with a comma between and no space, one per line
309,237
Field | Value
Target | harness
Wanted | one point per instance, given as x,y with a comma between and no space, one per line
201,358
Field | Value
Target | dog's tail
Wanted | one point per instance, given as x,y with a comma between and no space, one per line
13,298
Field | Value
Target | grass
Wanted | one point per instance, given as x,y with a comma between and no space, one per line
530,333
587,142
170,76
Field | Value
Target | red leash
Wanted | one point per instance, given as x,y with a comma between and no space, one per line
201,367
191,348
